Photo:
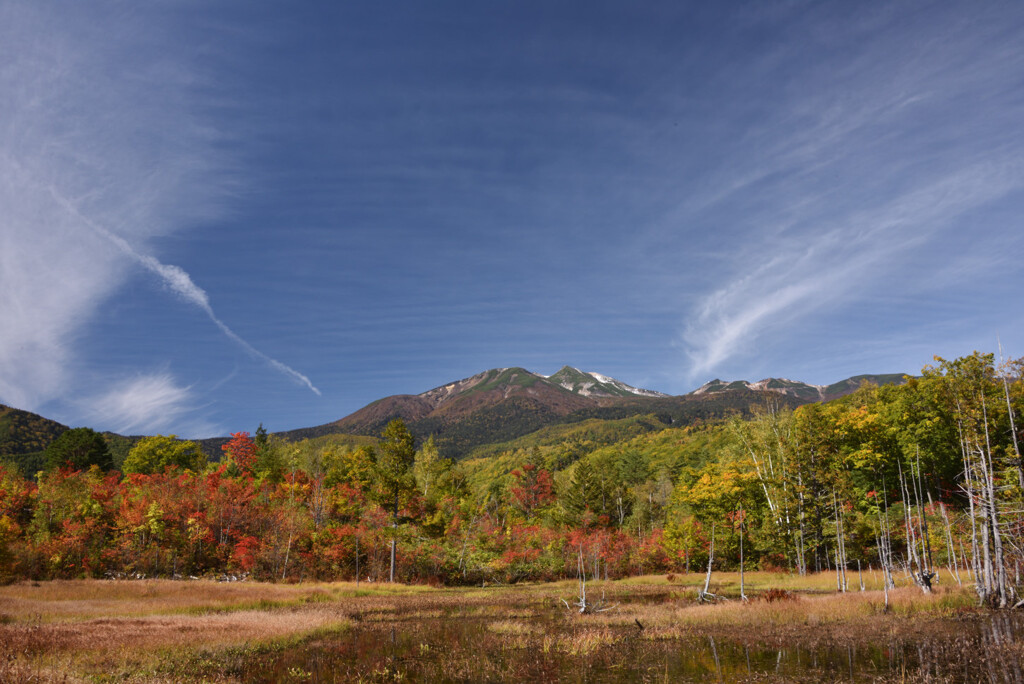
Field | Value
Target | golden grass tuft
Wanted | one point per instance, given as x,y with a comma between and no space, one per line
585,642
513,627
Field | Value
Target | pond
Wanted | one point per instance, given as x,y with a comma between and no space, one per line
538,641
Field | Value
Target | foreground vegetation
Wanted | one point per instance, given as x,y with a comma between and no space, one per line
160,630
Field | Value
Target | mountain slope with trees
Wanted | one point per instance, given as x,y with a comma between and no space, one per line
508,403
23,432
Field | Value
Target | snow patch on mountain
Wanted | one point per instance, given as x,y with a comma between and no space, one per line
778,385
582,383
605,380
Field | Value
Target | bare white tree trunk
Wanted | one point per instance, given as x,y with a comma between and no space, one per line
704,595
839,545
802,551
954,569
743,595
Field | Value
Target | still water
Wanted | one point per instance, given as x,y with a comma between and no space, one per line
451,646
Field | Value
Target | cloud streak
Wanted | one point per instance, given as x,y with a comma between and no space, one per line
795,281
852,178
181,283
104,140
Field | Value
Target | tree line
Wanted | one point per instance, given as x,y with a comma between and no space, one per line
921,481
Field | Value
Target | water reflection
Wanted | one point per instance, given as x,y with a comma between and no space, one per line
458,647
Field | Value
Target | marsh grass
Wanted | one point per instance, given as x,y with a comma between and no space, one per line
758,581
515,627
194,631
86,599
215,660
585,642
500,610
849,608
131,644
63,600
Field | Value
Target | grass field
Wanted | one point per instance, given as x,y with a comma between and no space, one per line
167,631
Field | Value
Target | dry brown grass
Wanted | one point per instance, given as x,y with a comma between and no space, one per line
133,633
514,627
758,581
55,629
855,616
585,641
142,629
86,599
130,645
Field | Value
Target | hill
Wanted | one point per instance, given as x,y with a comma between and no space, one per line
22,432
24,436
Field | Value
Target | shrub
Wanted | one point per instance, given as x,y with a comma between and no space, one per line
773,595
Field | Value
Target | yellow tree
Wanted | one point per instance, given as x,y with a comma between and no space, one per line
395,458
155,454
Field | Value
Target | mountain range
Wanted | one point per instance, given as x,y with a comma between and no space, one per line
500,405
800,390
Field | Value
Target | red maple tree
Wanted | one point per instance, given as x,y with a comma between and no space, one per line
242,450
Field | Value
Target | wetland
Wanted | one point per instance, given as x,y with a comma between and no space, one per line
167,631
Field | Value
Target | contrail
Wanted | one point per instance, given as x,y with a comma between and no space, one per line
180,282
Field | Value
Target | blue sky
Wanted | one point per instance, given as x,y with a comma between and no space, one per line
219,214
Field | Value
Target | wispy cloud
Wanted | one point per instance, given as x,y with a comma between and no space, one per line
147,404
793,281
181,283
103,146
855,176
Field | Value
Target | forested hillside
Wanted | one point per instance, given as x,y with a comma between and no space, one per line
921,480
22,432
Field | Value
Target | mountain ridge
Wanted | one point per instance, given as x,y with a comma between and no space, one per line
800,389
500,405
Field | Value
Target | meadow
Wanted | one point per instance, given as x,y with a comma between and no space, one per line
791,628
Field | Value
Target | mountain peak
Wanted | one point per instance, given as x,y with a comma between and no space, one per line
589,384
493,379
800,390
513,380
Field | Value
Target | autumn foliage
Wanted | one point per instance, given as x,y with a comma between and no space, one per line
784,490
242,451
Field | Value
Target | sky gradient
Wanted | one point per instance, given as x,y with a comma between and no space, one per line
219,214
